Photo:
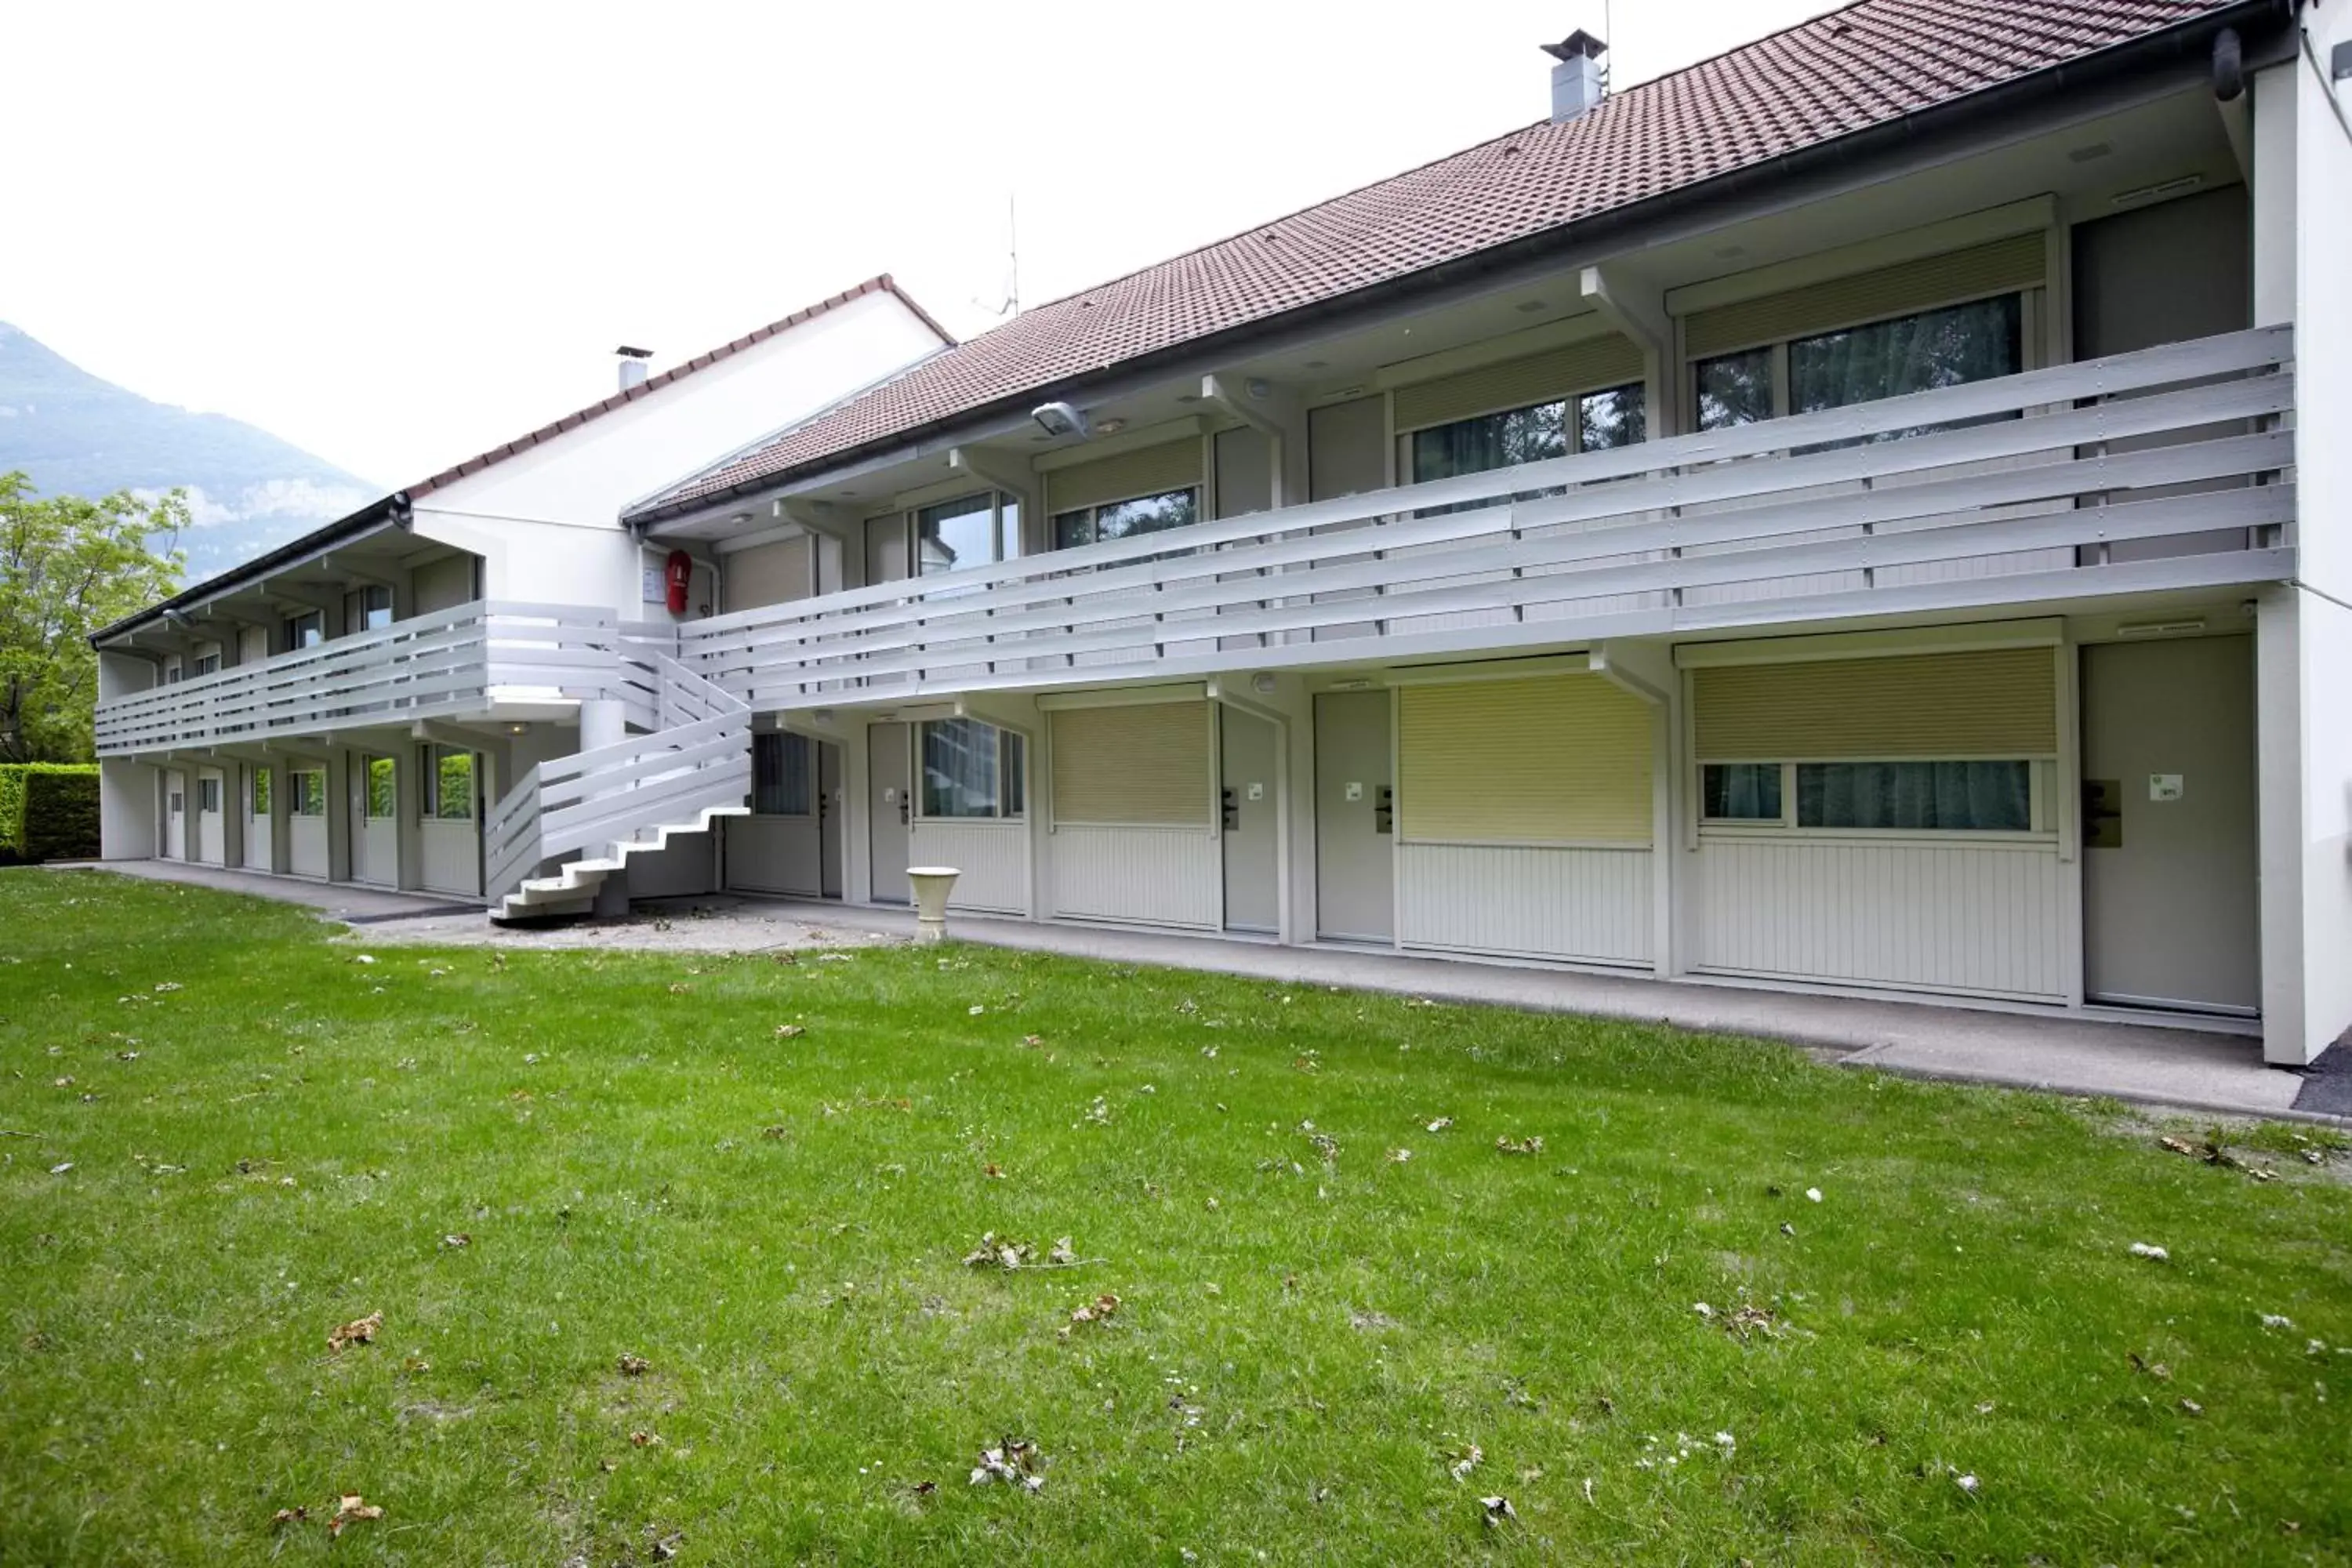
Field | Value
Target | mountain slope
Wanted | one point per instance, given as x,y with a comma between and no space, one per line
247,491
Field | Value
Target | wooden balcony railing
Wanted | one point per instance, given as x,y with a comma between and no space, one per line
2169,466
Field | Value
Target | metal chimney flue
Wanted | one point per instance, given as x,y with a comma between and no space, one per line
633,365
1578,83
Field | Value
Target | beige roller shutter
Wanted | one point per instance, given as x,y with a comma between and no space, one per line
766,575
1145,766
1994,703
1610,360
1559,759
1145,472
2001,267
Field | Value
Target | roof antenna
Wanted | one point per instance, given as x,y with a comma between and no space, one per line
1011,305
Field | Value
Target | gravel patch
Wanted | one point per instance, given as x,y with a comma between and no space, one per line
678,925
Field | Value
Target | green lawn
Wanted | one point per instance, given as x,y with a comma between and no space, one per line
244,1135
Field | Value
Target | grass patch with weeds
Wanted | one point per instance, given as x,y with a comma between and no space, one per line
1275,1274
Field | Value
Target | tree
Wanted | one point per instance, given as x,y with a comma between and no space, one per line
68,567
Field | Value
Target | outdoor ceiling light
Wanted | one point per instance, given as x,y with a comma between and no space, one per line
1061,419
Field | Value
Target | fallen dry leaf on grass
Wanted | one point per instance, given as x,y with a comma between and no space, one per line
1441,1124
1522,1146
1015,1461
358,1332
1465,1460
790,1031
1095,1312
2213,1154
635,1366
642,1439
350,1512
1497,1510
286,1516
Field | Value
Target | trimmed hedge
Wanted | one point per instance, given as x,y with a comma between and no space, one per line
48,811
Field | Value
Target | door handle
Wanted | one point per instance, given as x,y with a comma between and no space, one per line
1233,812
1384,811
906,813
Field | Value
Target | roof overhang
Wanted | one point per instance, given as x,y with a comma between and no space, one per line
2032,104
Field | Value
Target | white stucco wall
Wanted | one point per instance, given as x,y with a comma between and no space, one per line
2303,193
546,521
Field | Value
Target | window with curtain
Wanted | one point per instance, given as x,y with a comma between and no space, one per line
1918,352
1910,353
208,795
383,788
1127,519
1593,422
971,770
1740,792
783,775
1928,796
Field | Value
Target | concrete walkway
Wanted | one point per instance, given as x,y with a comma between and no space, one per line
2184,1069
346,902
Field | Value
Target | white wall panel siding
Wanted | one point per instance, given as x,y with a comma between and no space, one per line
1592,905
774,854
1157,876
451,859
305,846
1979,918
993,855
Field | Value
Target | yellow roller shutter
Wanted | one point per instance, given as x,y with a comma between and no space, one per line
1998,267
1993,703
1146,766
1145,472
1607,361
1556,759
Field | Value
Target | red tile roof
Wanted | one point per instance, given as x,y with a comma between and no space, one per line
1864,64
882,284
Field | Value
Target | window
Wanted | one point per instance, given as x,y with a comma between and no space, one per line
308,629
972,530
783,770
448,784
1918,352
383,789
1972,797
971,769
208,795
367,609
1734,389
1910,353
1740,792
171,672
256,799
309,791
1612,417
1984,798
1127,519
208,663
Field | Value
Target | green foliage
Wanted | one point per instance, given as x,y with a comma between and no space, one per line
383,788
454,794
48,811
68,568
534,1163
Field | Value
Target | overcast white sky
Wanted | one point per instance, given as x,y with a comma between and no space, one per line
398,235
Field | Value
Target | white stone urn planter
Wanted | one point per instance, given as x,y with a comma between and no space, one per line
932,885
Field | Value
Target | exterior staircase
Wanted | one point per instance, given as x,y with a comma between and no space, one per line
573,822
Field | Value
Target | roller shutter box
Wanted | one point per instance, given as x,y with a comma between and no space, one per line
1145,472
1994,703
767,575
1546,377
2001,267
